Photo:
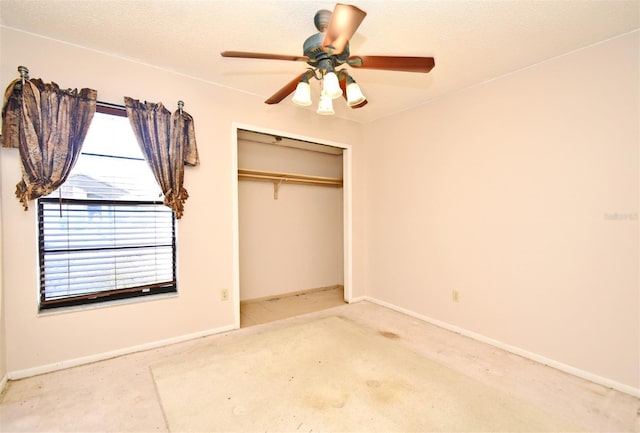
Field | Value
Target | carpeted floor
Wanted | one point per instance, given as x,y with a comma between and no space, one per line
121,395
332,374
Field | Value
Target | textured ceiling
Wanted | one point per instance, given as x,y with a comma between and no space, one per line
471,41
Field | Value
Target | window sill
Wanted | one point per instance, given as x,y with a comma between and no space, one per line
106,304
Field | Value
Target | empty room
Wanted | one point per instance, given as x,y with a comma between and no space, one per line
301,216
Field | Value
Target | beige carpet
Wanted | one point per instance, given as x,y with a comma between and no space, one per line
332,375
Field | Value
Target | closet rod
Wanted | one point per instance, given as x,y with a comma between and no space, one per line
279,177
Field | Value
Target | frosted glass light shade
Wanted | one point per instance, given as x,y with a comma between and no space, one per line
302,96
330,86
325,106
354,95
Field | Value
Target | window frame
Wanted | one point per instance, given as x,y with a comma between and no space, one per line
104,296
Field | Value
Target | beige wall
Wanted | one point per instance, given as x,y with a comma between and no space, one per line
205,235
522,194
3,346
293,243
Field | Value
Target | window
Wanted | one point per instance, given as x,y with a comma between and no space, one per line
105,234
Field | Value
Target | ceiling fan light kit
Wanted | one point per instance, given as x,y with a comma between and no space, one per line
327,50
354,94
302,96
330,85
326,105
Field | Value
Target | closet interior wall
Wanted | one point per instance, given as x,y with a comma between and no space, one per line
291,234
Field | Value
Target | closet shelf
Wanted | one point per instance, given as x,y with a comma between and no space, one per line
278,178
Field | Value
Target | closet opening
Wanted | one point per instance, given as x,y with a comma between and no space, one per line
292,226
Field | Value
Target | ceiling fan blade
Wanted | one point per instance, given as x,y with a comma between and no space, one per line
345,20
285,91
393,63
249,55
343,85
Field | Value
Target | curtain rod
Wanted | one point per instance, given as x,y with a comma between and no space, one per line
121,110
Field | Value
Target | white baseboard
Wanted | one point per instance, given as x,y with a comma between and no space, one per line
627,389
21,374
3,383
290,294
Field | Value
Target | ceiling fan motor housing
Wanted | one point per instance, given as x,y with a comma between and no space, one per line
312,48
321,20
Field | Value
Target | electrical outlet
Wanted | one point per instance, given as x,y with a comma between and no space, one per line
455,296
224,295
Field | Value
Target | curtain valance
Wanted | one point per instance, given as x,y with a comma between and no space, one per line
48,126
168,142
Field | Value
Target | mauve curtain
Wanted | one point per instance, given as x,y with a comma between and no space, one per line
168,143
48,126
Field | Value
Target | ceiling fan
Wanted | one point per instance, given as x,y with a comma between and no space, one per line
329,49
